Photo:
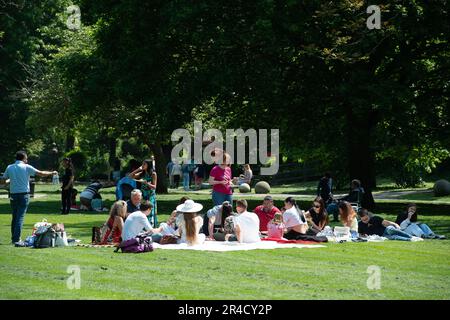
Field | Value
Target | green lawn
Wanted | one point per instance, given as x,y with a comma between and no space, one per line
419,270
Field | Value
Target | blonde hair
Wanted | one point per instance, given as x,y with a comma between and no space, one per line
277,218
119,209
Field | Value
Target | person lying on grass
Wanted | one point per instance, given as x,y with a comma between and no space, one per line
115,222
408,223
137,223
374,225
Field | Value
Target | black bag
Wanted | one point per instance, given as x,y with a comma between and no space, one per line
46,239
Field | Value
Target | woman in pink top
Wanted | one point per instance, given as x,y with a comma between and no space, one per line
220,178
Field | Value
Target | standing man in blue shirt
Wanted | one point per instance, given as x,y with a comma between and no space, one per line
19,174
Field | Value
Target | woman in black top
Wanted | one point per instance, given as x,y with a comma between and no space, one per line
317,216
67,185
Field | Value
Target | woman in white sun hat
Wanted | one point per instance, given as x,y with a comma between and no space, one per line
189,229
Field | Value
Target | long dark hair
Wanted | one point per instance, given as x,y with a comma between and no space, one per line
69,163
292,201
414,216
323,215
226,212
150,168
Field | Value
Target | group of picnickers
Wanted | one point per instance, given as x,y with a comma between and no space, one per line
222,222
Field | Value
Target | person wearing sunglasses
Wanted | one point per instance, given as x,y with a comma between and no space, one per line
317,216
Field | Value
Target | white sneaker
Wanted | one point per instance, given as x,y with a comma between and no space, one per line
414,239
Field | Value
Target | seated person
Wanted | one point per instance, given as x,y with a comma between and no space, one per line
294,220
355,196
324,188
213,218
244,178
275,227
265,213
408,223
134,203
190,223
378,226
246,224
137,222
115,223
171,225
317,216
227,230
348,217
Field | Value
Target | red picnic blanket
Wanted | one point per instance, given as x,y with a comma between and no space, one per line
289,241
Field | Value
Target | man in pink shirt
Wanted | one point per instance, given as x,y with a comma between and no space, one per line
265,213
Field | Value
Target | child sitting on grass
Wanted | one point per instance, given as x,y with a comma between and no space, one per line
275,227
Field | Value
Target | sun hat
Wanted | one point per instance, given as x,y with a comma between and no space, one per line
189,206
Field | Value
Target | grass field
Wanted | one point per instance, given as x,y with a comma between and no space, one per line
419,270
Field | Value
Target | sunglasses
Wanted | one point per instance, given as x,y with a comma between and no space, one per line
318,207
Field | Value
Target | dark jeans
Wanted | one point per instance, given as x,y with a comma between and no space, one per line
205,228
220,236
66,199
176,180
19,204
333,209
293,235
218,198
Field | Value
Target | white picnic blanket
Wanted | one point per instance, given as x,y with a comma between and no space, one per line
234,246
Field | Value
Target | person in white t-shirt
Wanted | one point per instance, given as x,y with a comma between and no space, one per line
137,222
294,220
246,224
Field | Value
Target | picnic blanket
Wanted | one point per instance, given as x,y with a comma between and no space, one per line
235,246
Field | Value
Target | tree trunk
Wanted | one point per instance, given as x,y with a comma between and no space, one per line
361,158
160,162
70,141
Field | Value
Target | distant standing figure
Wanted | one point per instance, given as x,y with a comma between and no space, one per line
18,175
169,173
146,175
67,185
325,188
220,178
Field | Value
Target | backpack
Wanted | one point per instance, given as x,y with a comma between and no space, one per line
45,238
140,244
50,236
